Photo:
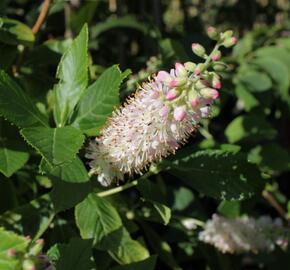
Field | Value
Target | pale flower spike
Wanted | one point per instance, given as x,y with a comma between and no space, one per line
245,234
159,118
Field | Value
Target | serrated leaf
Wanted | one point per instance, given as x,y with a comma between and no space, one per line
10,240
217,173
13,156
96,218
73,172
73,75
249,128
75,255
56,145
15,32
16,106
98,101
147,264
123,248
66,195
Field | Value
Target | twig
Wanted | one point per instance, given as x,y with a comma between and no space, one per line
270,198
41,17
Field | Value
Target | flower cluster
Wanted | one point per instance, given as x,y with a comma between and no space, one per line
244,234
161,115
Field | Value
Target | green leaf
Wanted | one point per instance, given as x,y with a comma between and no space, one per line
13,156
14,32
163,210
10,240
75,255
278,71
73,75
56,145
183,197
8,194
73,172
98,101
96,218
30,219
123,248
16,106
161,247
117,22
217,173
66,195
230,209
147,264
255,81
248,100
250,128
277,52
263,156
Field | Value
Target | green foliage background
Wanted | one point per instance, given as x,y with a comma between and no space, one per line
58,87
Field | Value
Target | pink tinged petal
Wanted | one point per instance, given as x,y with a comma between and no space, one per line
194,102
164,112
179,113
163,76
154,94
205,111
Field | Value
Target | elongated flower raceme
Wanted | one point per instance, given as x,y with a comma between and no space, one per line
245,234
159,118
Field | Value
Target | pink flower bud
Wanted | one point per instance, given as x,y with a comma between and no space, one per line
180,70
163,76
194,102
216,56
173,83
179,113
212,32
217,84
198,49
197,71
215,94
234,40
172,94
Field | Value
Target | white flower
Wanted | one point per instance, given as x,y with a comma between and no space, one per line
152,124
244,234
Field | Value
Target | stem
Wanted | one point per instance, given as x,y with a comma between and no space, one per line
134,183
270,198
118,189
41,17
